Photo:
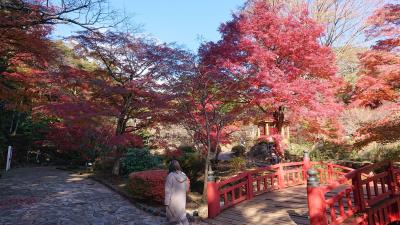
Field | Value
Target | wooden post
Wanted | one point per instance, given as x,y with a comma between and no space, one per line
212,196
267,128
281,177
330,173
316,200
358,192
250,193
306,164
392,179
392,185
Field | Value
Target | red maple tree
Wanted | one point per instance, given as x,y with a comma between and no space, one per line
205,104
125,91
28,56
379,80
25,48
134,73
274,54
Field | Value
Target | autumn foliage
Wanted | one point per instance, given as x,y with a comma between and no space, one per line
379,81
100,90
25,54
148,184
273,53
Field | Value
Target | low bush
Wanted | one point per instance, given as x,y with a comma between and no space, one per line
187,149
328,151
376,152
238,163
238,150
193,166
173,154
148,185
104,165
139,159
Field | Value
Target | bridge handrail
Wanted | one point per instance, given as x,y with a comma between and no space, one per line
259,170
356,196
336,200
245,185
348,201
347,177
262,169
345,192
232,179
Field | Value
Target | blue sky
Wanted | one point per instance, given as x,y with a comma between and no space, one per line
186,22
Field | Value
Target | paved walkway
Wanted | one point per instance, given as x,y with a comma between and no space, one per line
284,207
47,196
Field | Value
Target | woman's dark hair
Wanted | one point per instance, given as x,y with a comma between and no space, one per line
174,166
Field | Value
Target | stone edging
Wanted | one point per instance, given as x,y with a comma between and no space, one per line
151,210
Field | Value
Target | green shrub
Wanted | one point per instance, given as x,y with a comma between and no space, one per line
238,150
378,152
139,159
328,151
193,166
104,165
297,149
238,163
187,149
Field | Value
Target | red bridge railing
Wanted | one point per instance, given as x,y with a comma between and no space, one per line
246,185
336,194
368,195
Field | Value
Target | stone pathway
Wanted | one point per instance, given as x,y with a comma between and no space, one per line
47,196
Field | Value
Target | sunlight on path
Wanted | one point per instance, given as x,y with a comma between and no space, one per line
47,196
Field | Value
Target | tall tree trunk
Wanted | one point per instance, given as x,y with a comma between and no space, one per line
208,130
14,123
208,157
279,119
217,147
217,152
121,126
117,163
116,166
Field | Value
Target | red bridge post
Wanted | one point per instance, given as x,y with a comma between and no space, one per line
392,179
281,176
212,196
316,200
250,193
394,214
330,173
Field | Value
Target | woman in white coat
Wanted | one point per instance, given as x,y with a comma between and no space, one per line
176,187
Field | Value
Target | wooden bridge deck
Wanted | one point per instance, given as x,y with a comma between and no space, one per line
282,207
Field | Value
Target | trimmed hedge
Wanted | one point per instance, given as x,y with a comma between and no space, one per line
148,185
238,163
238,150
139,159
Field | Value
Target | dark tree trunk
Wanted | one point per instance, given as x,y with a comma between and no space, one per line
279,118
121,127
